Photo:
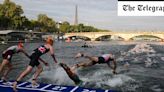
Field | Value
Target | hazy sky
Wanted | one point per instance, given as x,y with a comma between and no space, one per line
98,13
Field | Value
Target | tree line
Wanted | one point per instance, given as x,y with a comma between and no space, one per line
12,17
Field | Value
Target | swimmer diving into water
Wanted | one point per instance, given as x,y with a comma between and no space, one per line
71,73
106,58
34,62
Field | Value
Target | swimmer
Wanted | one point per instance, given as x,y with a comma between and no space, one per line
71,73
7,56
86,45
47,47
106,58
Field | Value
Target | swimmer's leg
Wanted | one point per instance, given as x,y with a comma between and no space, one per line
6,72
37,73
86,64
91,58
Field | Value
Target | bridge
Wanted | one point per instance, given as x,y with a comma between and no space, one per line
124,35
12,35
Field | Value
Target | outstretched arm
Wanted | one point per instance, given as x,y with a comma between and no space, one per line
25,53
73,68
44,62
114,66
52,54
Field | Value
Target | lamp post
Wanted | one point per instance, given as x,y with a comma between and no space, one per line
58,26
30,31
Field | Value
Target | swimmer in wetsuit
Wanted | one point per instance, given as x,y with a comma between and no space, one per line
71,73
34,62
7,56
86,45
103,59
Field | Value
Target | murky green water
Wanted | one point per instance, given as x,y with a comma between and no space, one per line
145,73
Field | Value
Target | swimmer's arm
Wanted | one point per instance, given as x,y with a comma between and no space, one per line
73,68
114,63
24,52
109,65
44,62
52,54
113,67
4,51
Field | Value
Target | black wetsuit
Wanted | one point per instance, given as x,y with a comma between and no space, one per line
36,54
106,58
7,54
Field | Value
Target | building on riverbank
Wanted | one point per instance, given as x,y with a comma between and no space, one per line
15,36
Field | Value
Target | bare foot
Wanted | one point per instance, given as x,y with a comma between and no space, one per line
4,79
15,86
75,67
34,83
79,55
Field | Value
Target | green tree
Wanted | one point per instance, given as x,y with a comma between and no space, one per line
34,25
11,14
64,27
46,24
71,29
11,18
81,28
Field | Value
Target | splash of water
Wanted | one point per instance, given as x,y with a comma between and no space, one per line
105,77
119,80
148,62
142,48
162,58
156,88
139,52
58,76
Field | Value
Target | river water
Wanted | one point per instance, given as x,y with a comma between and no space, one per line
145,60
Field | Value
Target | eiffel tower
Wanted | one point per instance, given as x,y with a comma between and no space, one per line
76,16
